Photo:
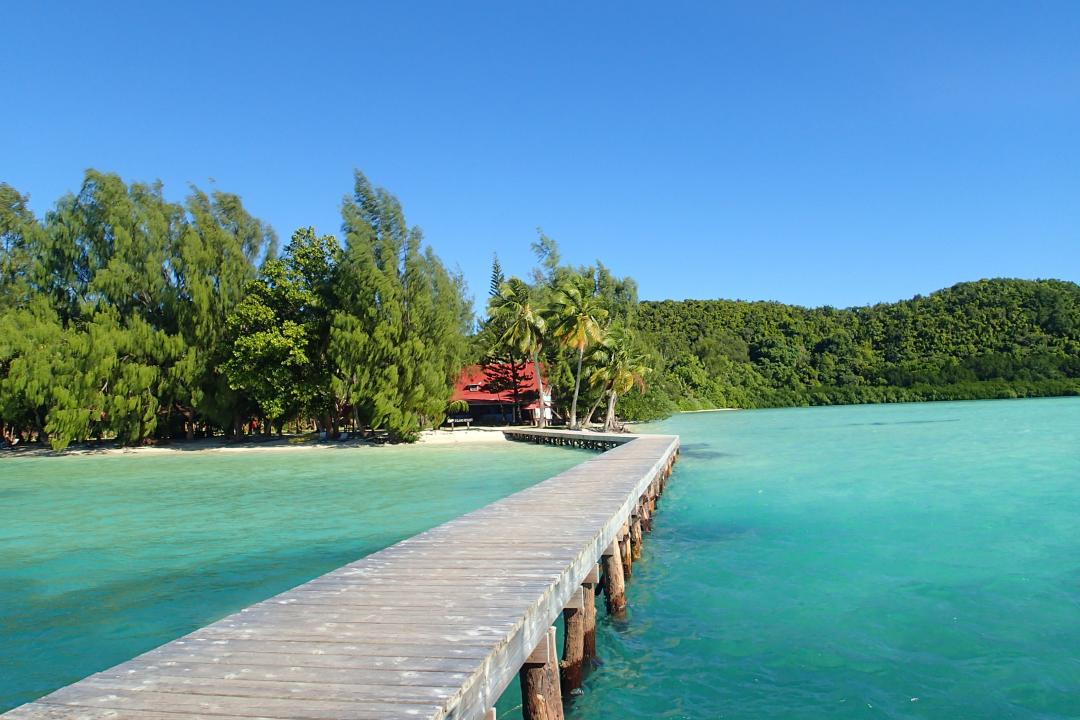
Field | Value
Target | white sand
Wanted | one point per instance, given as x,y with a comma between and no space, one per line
461,436
688,412
286,444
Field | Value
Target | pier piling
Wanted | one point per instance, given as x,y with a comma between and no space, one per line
614,582
588,598
572,665
626,553
541,696
635,534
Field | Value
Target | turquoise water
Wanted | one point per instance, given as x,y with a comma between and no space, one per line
901,561
104,557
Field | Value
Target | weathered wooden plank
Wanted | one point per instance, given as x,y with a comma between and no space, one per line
47,711
212,643
416,623
367,656
384,633
80,696
291,669
435,614
239,686
386,601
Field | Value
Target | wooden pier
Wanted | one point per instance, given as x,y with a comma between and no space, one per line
436,626
590,440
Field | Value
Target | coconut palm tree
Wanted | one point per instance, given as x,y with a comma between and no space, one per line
579,323
515,310
619,367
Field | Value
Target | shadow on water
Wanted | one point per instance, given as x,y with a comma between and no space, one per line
903,422
702,451
877,423
722,533
695,537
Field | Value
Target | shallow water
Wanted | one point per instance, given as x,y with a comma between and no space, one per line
903,561
104,557
900,561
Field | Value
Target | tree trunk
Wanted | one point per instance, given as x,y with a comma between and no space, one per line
609,421
42,436
592,411
542,422
574,424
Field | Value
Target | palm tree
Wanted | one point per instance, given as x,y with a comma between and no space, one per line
619,367
579,317
524,325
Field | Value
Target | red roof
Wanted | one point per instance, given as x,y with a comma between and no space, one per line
495,383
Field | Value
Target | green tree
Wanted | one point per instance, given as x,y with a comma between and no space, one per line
525,327
397,337
497,276
579,322
620,365
218,256
279,333
269,358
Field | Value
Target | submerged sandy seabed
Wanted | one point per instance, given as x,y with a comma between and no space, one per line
458,436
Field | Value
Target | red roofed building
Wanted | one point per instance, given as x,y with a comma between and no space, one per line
500,393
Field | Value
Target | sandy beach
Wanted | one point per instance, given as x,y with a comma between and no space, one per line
458,436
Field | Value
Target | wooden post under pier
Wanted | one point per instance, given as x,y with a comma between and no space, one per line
635,533
626,552
614,583
541,696
646,516
588,599
572,666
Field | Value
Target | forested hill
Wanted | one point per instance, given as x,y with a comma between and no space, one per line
985,339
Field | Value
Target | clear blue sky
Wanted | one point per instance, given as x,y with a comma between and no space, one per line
816,153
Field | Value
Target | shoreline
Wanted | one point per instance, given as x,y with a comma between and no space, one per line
286,443
709,410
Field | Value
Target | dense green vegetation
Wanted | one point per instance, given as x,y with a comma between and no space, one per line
126,316
988,339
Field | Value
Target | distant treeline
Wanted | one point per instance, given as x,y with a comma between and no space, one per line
987,339
125,316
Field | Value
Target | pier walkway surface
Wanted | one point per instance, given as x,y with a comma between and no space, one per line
436,626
